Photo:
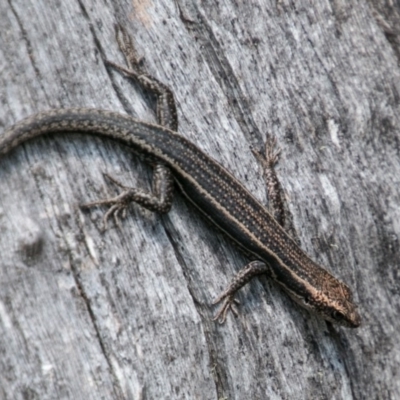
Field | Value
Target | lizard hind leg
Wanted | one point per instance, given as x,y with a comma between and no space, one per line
165,101
159,199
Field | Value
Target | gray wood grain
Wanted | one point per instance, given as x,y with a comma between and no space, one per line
126,314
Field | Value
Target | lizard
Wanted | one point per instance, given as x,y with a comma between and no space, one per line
259,233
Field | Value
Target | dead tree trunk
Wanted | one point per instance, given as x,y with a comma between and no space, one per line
126,314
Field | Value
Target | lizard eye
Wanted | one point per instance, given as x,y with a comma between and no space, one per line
337,315
306,301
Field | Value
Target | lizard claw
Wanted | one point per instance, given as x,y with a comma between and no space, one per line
118,204
229,304
271,153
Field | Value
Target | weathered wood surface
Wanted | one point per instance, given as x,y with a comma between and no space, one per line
126,314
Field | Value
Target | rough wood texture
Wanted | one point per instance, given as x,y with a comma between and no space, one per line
126,314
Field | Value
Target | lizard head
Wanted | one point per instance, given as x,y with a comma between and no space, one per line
340,307
343,312
334,303
329,298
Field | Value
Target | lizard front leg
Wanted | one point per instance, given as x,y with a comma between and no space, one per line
268,160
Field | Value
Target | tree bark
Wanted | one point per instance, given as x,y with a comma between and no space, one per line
126,314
